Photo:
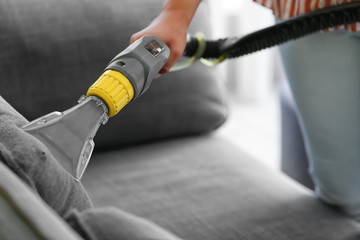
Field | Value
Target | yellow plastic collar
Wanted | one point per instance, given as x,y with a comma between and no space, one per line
114,89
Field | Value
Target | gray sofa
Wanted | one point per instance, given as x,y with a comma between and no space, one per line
160,169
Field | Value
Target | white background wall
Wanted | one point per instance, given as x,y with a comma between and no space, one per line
252,79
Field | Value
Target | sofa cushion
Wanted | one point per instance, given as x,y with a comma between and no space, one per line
52,51
24,215
206,188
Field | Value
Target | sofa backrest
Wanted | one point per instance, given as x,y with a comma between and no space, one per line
52,51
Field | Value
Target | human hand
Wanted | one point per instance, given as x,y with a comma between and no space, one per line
172,30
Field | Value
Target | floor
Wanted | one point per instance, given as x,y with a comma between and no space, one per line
255,128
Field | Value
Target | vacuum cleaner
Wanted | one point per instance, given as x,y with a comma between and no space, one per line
69,135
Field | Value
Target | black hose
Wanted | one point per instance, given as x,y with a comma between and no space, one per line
280,33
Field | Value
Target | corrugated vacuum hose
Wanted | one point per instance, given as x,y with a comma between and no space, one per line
294,28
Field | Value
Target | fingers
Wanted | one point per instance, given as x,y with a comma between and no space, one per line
176,46
135,37
176,51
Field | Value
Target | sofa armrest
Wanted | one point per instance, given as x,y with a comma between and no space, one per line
24,215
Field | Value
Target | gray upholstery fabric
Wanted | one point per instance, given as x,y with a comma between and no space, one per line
52,51
111,223
199,188
205,188
33,163
23,215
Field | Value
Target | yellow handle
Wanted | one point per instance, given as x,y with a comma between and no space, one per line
114,89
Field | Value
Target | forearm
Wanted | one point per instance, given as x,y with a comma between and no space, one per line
182,9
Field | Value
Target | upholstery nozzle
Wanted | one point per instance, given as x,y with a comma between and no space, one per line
69,135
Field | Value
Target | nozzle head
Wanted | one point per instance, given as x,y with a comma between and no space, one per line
69,135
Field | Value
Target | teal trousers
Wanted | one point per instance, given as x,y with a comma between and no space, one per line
324,75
